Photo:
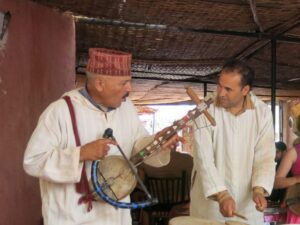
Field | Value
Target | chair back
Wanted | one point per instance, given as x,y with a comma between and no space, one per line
169,190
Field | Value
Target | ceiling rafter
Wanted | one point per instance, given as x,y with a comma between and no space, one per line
256,46
260,35
177,39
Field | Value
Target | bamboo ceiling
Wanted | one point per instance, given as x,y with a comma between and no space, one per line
188,40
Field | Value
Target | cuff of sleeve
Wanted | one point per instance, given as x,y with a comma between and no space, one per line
259,190
220,196
266,186
212,194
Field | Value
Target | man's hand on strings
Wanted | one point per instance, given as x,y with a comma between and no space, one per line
172,143
95,150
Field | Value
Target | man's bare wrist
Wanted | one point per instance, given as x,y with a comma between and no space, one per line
222,196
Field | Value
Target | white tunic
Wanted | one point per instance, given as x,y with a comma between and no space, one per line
52,156
235,155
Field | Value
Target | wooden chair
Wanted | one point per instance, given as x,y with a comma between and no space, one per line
169,191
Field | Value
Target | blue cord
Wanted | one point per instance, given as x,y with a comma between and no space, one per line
102,195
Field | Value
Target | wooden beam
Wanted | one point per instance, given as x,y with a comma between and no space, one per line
276,33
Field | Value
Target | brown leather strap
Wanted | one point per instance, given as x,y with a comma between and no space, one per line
82,186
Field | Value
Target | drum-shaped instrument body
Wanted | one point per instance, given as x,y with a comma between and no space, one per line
116,179
189,220
231,222
293,198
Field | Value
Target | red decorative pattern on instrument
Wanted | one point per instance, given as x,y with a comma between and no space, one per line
186,118
168,132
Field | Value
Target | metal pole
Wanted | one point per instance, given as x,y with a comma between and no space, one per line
273,79
205,89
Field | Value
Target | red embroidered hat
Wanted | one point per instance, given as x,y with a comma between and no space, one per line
109,62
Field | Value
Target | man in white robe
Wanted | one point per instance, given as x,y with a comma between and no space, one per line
54,158
234,164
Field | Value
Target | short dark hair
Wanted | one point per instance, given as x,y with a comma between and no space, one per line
247,73
281,146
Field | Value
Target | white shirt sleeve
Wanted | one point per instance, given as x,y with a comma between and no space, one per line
46,155
264,164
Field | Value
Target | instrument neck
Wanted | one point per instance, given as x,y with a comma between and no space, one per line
169,132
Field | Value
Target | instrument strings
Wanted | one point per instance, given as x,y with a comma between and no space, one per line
141,156
106,185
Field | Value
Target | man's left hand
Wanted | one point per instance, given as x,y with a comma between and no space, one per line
260,200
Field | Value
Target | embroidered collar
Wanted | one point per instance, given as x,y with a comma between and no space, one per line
85,93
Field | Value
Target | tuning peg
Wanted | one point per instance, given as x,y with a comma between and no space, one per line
195,99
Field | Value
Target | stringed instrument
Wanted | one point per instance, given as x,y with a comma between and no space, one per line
115,177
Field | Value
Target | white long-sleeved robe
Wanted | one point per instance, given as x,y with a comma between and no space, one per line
235,155
52,156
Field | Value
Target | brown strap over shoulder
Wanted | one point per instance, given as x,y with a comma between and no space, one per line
82,186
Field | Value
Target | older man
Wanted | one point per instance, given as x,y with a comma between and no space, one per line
234,161
61,159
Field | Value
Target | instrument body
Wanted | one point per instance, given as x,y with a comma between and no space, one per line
115,177
113,171
189,220
293,198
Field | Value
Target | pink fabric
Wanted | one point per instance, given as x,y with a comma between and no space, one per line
109,62
291,217
296,165
279,217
